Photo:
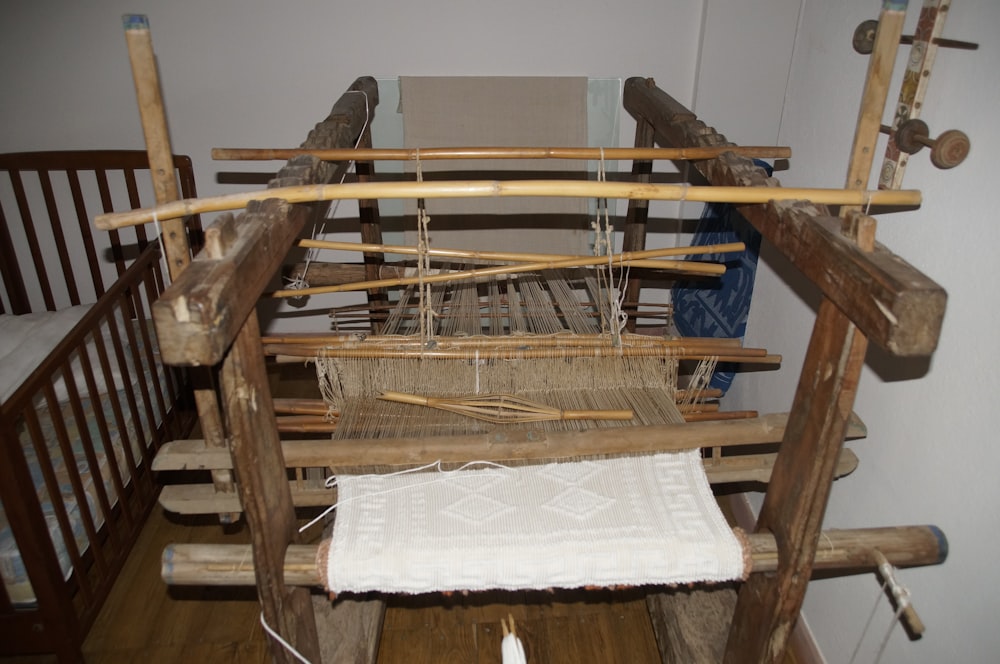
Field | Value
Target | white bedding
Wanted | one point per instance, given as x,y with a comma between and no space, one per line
27,339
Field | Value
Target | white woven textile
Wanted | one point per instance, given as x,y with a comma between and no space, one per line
624,521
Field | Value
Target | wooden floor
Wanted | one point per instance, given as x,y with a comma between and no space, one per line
146,622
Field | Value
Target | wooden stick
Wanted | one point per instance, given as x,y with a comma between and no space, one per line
300,406
504,408
309,352
850,550
330,340
500,447
497,188
434,154
623,259
515,257
154,127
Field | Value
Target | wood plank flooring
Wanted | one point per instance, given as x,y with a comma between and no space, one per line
146,622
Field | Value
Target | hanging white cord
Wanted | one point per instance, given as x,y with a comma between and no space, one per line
902,596
163,249
444,475
300,281
284,644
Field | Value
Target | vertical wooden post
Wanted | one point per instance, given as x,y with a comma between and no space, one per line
634,236
371,232
768,605
175,240
154,127
265,493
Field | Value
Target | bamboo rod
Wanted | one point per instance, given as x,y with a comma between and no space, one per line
515,257
300,406
329,340
503,408
435,154
848,550
309,352
622,259
497,188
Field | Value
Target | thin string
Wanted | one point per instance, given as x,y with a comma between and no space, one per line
163,249
300,281
423,262
284,644
331,482
902,595
868,623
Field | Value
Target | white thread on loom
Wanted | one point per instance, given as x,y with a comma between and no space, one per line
299,282
434,465
284,644
163,249
902,596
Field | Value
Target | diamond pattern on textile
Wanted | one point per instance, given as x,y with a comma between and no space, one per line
476,509
570,473
579,503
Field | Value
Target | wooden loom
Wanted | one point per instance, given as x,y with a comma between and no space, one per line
207,318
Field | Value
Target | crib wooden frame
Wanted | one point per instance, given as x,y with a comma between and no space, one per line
66,608
207,317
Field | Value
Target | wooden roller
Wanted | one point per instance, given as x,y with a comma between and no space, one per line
848,550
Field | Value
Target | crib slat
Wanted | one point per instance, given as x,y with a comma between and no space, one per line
10,270
83,222
72,466
59,236
41,273
52,486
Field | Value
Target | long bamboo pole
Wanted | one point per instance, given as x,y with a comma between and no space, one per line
736,355
507,188
517,257
232,564
682,267
560,339
439,153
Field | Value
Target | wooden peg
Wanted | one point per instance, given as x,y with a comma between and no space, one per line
864,39
947,151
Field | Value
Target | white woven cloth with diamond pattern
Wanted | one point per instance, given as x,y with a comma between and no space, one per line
624,521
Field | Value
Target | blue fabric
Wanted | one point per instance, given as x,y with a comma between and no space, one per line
719,308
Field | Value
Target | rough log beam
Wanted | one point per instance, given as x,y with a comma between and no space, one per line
199,315
892,303
508,446
907,546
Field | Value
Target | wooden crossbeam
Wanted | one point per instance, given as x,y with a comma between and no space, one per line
893,303
229,565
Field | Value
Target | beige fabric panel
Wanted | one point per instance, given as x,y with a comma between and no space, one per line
500,111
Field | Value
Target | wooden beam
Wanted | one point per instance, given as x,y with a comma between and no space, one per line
198,316
893,303
264,492
504,446
906,546
634,235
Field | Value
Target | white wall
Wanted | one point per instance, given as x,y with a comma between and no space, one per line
245,73
931,446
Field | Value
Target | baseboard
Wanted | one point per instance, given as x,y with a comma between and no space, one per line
800,642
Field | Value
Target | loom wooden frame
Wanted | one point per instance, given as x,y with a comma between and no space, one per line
67,607
206,317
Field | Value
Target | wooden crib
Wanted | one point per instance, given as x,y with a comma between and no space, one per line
97,395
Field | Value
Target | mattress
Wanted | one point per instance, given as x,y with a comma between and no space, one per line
41,333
